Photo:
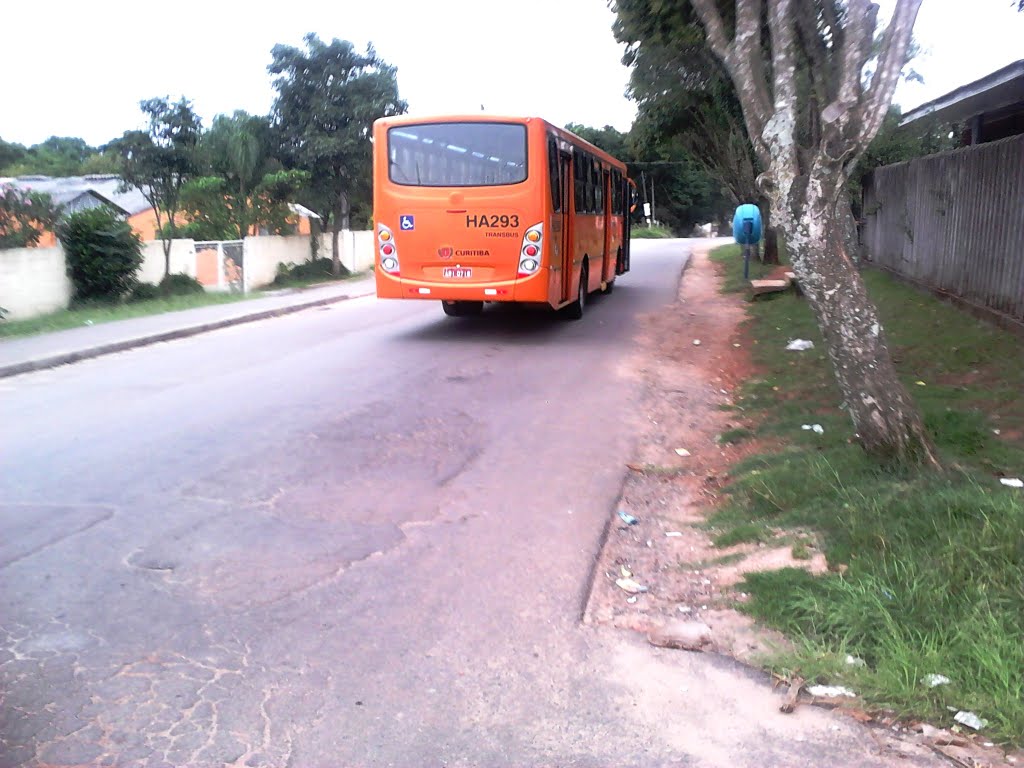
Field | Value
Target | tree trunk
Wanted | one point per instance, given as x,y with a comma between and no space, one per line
888,423
339,221
335,253
849,235
167,258
770,254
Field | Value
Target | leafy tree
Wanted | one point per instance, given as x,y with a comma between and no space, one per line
237,149
689,196
811,107
160,160
685,98
10,154
57,156
24,216
213,211
204,206
611,140
271,197
103,254
105,163
327,99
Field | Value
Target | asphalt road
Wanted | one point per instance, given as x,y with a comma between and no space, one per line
360,535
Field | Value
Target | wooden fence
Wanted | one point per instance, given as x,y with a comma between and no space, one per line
954,223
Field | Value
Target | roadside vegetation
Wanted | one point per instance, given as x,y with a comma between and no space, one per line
641,232
311,273
926,569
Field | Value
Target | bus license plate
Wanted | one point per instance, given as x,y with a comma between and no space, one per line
457,272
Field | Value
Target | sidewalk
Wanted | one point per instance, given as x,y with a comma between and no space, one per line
33,353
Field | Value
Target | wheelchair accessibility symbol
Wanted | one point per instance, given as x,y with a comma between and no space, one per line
406,222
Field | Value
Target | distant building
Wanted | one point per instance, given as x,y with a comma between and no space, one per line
76,193
990,109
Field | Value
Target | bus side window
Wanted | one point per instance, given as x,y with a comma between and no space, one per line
591,192
580,183
553,177
602,183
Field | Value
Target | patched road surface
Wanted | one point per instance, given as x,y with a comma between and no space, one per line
355,536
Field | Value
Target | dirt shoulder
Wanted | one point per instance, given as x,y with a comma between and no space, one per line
663,569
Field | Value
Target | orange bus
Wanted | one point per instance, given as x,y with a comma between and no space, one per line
471,208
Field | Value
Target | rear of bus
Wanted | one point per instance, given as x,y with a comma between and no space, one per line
459,207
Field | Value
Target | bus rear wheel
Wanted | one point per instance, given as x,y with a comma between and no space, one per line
462,308
575,310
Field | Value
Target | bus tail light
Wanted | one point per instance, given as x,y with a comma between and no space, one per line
530,252
387,250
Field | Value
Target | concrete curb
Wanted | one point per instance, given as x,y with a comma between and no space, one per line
110,348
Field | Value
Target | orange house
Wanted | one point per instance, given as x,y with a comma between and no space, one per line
75,193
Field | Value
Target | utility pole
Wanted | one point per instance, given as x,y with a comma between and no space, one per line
652,199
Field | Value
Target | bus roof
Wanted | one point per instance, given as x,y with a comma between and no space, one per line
482,117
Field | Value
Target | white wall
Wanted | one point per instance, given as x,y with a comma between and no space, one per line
33,281
183,260
264,253
356,249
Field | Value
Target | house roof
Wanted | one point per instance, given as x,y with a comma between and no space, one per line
77,200
104,187
992,93
301,210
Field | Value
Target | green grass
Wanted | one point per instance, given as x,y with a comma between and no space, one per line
927,569
737,435
104,313
742,533
649,233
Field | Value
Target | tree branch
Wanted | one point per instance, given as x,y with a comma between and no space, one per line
853,53
737,57
817,53
895,45
714,28
780,23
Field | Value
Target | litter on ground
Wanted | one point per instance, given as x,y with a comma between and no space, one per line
829,691
631,586
970,719
800,345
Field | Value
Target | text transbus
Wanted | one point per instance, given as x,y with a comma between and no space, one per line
471,208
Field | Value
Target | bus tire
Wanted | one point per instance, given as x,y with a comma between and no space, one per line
462,308
575,310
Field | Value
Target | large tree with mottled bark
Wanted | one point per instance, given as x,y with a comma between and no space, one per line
815,82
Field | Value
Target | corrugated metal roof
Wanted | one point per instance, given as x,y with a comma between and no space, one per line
1002,88
65,188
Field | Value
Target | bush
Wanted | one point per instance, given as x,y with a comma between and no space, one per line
103,254
144,292
317,269
180,285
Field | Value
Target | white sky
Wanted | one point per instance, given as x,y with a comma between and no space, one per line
80,68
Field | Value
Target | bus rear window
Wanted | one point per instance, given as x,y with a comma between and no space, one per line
457,154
